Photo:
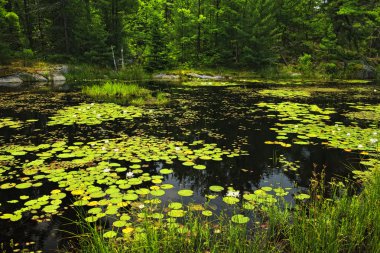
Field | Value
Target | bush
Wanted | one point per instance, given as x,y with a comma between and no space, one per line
27,56
330,69
305,64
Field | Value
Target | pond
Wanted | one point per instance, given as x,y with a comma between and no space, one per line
213,148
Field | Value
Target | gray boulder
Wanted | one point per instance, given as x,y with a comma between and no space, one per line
57,78
166,77
206,77
32,77
10,81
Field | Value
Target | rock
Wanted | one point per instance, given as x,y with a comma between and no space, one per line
207,77
166,76
57,78
10,81
31,77
10,85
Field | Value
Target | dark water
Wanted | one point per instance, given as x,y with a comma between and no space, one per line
214,114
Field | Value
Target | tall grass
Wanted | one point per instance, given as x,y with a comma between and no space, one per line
124,93
343,223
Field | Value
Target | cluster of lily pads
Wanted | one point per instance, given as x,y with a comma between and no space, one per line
110,173
11,123
303,123
365,112
285,93
94,114
288,165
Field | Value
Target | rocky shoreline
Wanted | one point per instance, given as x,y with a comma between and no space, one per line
54,75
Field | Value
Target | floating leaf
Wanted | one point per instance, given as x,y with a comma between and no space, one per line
166,171
24,185
128,230
110,234
119,223
207,213
199,167
176,213
240,219
302,196
216,188
166,186
231,200
175,205
266,188
157,193
185,193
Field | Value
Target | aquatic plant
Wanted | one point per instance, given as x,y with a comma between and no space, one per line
84,171
9,122
342,223
93,114
125,93
368,112
303,123
284,93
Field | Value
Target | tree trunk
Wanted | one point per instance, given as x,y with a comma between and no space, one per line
65,27
199,30
28,24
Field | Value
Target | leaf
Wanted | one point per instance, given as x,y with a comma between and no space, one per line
185,193
240,219
216,188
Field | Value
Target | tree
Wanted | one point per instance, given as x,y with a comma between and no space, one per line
10,37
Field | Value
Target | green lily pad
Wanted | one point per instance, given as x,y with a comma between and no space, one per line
176,213
110,234
231,200
157,216
185,193
166,186
175,205
130,197
7,186
216,188
266,188
95,210
207,213
302,196
199,167
166,171
24,185
119,223
240,219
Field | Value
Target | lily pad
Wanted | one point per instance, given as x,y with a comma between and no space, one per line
110,234
216,188
175,205
185,193
240,219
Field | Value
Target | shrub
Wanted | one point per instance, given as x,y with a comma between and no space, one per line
305,64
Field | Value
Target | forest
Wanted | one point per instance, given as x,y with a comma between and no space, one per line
192,126
335,36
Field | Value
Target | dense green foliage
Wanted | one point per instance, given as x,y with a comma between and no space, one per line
338,35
